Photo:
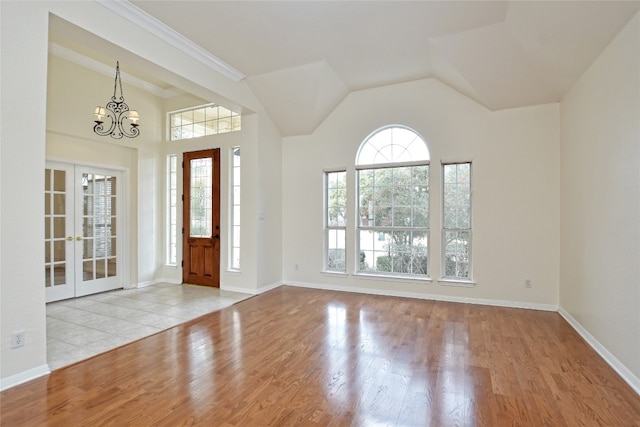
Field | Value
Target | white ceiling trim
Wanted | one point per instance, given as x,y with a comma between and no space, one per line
84,61
156,27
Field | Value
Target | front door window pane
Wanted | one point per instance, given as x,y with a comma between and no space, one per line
201,197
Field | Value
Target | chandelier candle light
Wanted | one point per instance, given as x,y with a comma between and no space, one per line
117,111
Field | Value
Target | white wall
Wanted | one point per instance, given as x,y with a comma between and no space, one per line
269,251
23,79
515,155
600,244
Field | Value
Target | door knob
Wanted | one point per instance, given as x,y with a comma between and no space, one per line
79,238
69,238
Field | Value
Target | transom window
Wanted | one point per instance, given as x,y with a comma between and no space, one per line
393,203
204,120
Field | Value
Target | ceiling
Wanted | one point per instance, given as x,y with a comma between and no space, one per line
301,58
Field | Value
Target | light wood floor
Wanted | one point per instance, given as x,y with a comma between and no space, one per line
302,357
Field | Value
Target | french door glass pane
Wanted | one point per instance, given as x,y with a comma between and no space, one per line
111,267
55,247
59,228
59,180
98,223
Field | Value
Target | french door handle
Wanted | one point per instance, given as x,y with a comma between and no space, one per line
69,238
79,238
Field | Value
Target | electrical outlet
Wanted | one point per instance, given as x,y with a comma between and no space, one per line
17,339
527,283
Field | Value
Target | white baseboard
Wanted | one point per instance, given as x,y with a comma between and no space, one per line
447,298
617,366
156,281
269,287
23,377
251,291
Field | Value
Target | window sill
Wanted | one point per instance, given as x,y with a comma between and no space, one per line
457,282
334,273
392,278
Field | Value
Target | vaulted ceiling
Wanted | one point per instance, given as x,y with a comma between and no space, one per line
301,58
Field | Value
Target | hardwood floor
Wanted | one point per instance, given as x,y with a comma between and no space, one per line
303,357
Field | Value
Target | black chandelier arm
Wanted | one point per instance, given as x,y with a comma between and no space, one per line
99,128
133,132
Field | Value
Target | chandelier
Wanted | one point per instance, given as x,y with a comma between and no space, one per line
118,112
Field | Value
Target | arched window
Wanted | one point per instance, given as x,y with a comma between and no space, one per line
393,203
393,144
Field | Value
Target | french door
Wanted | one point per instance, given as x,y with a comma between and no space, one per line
82,239
201,218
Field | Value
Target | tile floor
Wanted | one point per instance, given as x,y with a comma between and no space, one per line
83,327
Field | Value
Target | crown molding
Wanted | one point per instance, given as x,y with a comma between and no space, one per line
159,29
82,60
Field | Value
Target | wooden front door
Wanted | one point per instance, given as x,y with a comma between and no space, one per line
201,218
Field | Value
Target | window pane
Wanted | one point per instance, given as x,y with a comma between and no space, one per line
201,197
47,276
397,252
198,115
456,253
393,144
59,227
402,216
211,112
59,274
236,123
211,127
336,250
336,198
187,117
382,217
224,112
224,125
198,130
47,179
